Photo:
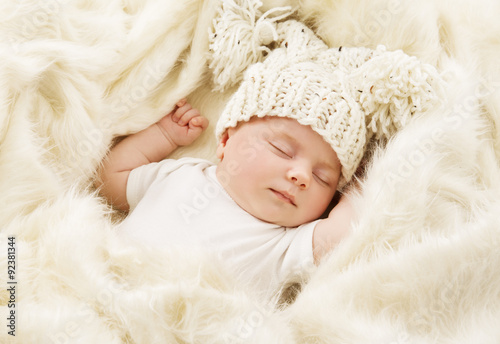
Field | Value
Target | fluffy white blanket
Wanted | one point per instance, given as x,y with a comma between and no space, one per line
422,263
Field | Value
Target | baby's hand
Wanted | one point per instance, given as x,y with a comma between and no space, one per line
184,124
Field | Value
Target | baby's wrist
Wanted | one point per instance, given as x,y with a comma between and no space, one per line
166,135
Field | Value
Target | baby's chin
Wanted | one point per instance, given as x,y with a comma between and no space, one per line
284,220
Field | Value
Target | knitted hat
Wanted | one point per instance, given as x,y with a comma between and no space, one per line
346,95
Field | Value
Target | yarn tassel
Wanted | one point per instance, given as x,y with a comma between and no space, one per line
391,87
239,37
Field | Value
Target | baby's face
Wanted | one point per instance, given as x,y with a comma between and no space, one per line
278,170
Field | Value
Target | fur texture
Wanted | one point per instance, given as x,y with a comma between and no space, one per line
421,265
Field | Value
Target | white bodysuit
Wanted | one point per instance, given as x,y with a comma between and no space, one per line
181,203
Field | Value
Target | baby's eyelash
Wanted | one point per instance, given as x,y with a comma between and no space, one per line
322,180
280,150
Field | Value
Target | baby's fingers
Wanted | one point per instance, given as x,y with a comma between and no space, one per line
181,102
181,111
200,122
195,127
187,116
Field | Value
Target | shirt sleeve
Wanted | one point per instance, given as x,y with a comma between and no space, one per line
298,259
142,177
139,181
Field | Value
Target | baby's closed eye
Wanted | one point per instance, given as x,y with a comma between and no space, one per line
281,149
322,178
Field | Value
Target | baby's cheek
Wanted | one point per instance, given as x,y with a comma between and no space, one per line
324,200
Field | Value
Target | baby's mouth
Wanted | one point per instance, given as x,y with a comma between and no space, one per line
285,197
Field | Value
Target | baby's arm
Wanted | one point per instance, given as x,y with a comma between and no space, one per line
330,231
179,128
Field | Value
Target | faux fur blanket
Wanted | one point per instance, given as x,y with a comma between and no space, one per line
421,265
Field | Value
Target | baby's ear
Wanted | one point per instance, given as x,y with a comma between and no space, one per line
222,145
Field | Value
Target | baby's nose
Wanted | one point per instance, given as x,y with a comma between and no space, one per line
299,177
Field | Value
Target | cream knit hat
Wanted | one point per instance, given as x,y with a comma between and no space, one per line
347,95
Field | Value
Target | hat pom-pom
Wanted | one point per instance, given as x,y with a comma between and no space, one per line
392,87
239,37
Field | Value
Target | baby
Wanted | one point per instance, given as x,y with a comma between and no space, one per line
273,168
258,207
292,135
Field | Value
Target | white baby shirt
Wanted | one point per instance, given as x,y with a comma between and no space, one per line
181,203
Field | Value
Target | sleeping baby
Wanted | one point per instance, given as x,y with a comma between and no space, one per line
292,135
